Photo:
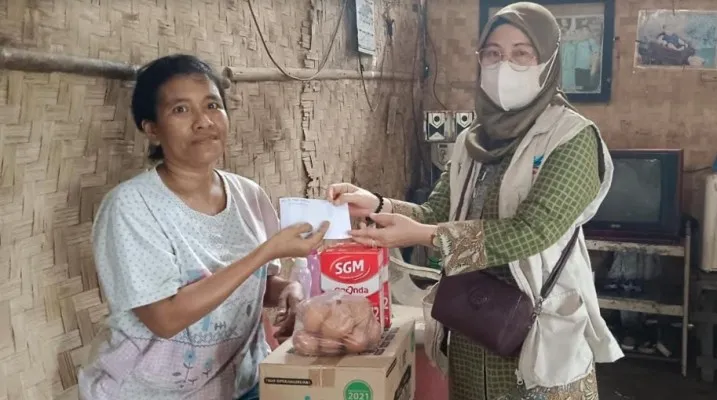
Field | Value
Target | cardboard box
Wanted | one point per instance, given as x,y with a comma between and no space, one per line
359,270
389,373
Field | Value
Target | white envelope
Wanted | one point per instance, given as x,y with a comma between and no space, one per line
294,210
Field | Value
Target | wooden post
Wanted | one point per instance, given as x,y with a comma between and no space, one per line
45,62
706,321
242,74
34,61
686,295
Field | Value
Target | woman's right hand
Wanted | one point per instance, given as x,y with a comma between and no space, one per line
361,202
291,242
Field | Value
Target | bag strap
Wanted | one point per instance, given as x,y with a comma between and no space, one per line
553,277
555,274
464,189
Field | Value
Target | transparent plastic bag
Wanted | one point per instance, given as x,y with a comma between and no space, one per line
433,334
335,323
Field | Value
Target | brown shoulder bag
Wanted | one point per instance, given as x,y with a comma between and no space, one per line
493,313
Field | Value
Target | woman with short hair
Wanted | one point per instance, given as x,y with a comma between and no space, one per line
187,255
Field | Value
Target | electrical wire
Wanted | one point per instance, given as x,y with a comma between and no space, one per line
372,107
389,46
435,68
416,121
420,28
388,37
324,60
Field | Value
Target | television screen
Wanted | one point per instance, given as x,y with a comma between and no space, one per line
636,191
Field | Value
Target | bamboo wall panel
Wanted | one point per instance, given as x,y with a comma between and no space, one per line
66,140
649,108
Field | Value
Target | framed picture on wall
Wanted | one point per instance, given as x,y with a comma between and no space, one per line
587,33
676,39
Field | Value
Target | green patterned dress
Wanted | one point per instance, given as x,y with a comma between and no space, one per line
567,183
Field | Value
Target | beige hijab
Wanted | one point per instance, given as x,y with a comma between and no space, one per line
496,132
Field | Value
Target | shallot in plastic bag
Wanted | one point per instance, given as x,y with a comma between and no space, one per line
335,323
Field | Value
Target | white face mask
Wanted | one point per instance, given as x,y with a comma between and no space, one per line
511,89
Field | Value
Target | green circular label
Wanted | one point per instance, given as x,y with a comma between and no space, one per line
413,340
358,390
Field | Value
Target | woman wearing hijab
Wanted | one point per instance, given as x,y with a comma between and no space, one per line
520,181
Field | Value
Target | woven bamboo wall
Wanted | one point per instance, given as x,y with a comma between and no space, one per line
649,108
65,140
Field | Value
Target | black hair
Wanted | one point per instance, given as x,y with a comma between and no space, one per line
150,79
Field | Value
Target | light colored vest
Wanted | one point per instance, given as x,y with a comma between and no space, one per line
570,334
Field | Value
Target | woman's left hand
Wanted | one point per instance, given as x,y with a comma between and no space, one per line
289,298
395,231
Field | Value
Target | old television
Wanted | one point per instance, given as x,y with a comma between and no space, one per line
644,203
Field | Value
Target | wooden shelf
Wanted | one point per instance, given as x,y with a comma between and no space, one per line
640,305
659,249
682,250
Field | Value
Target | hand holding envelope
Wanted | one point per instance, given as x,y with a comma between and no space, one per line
294,210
